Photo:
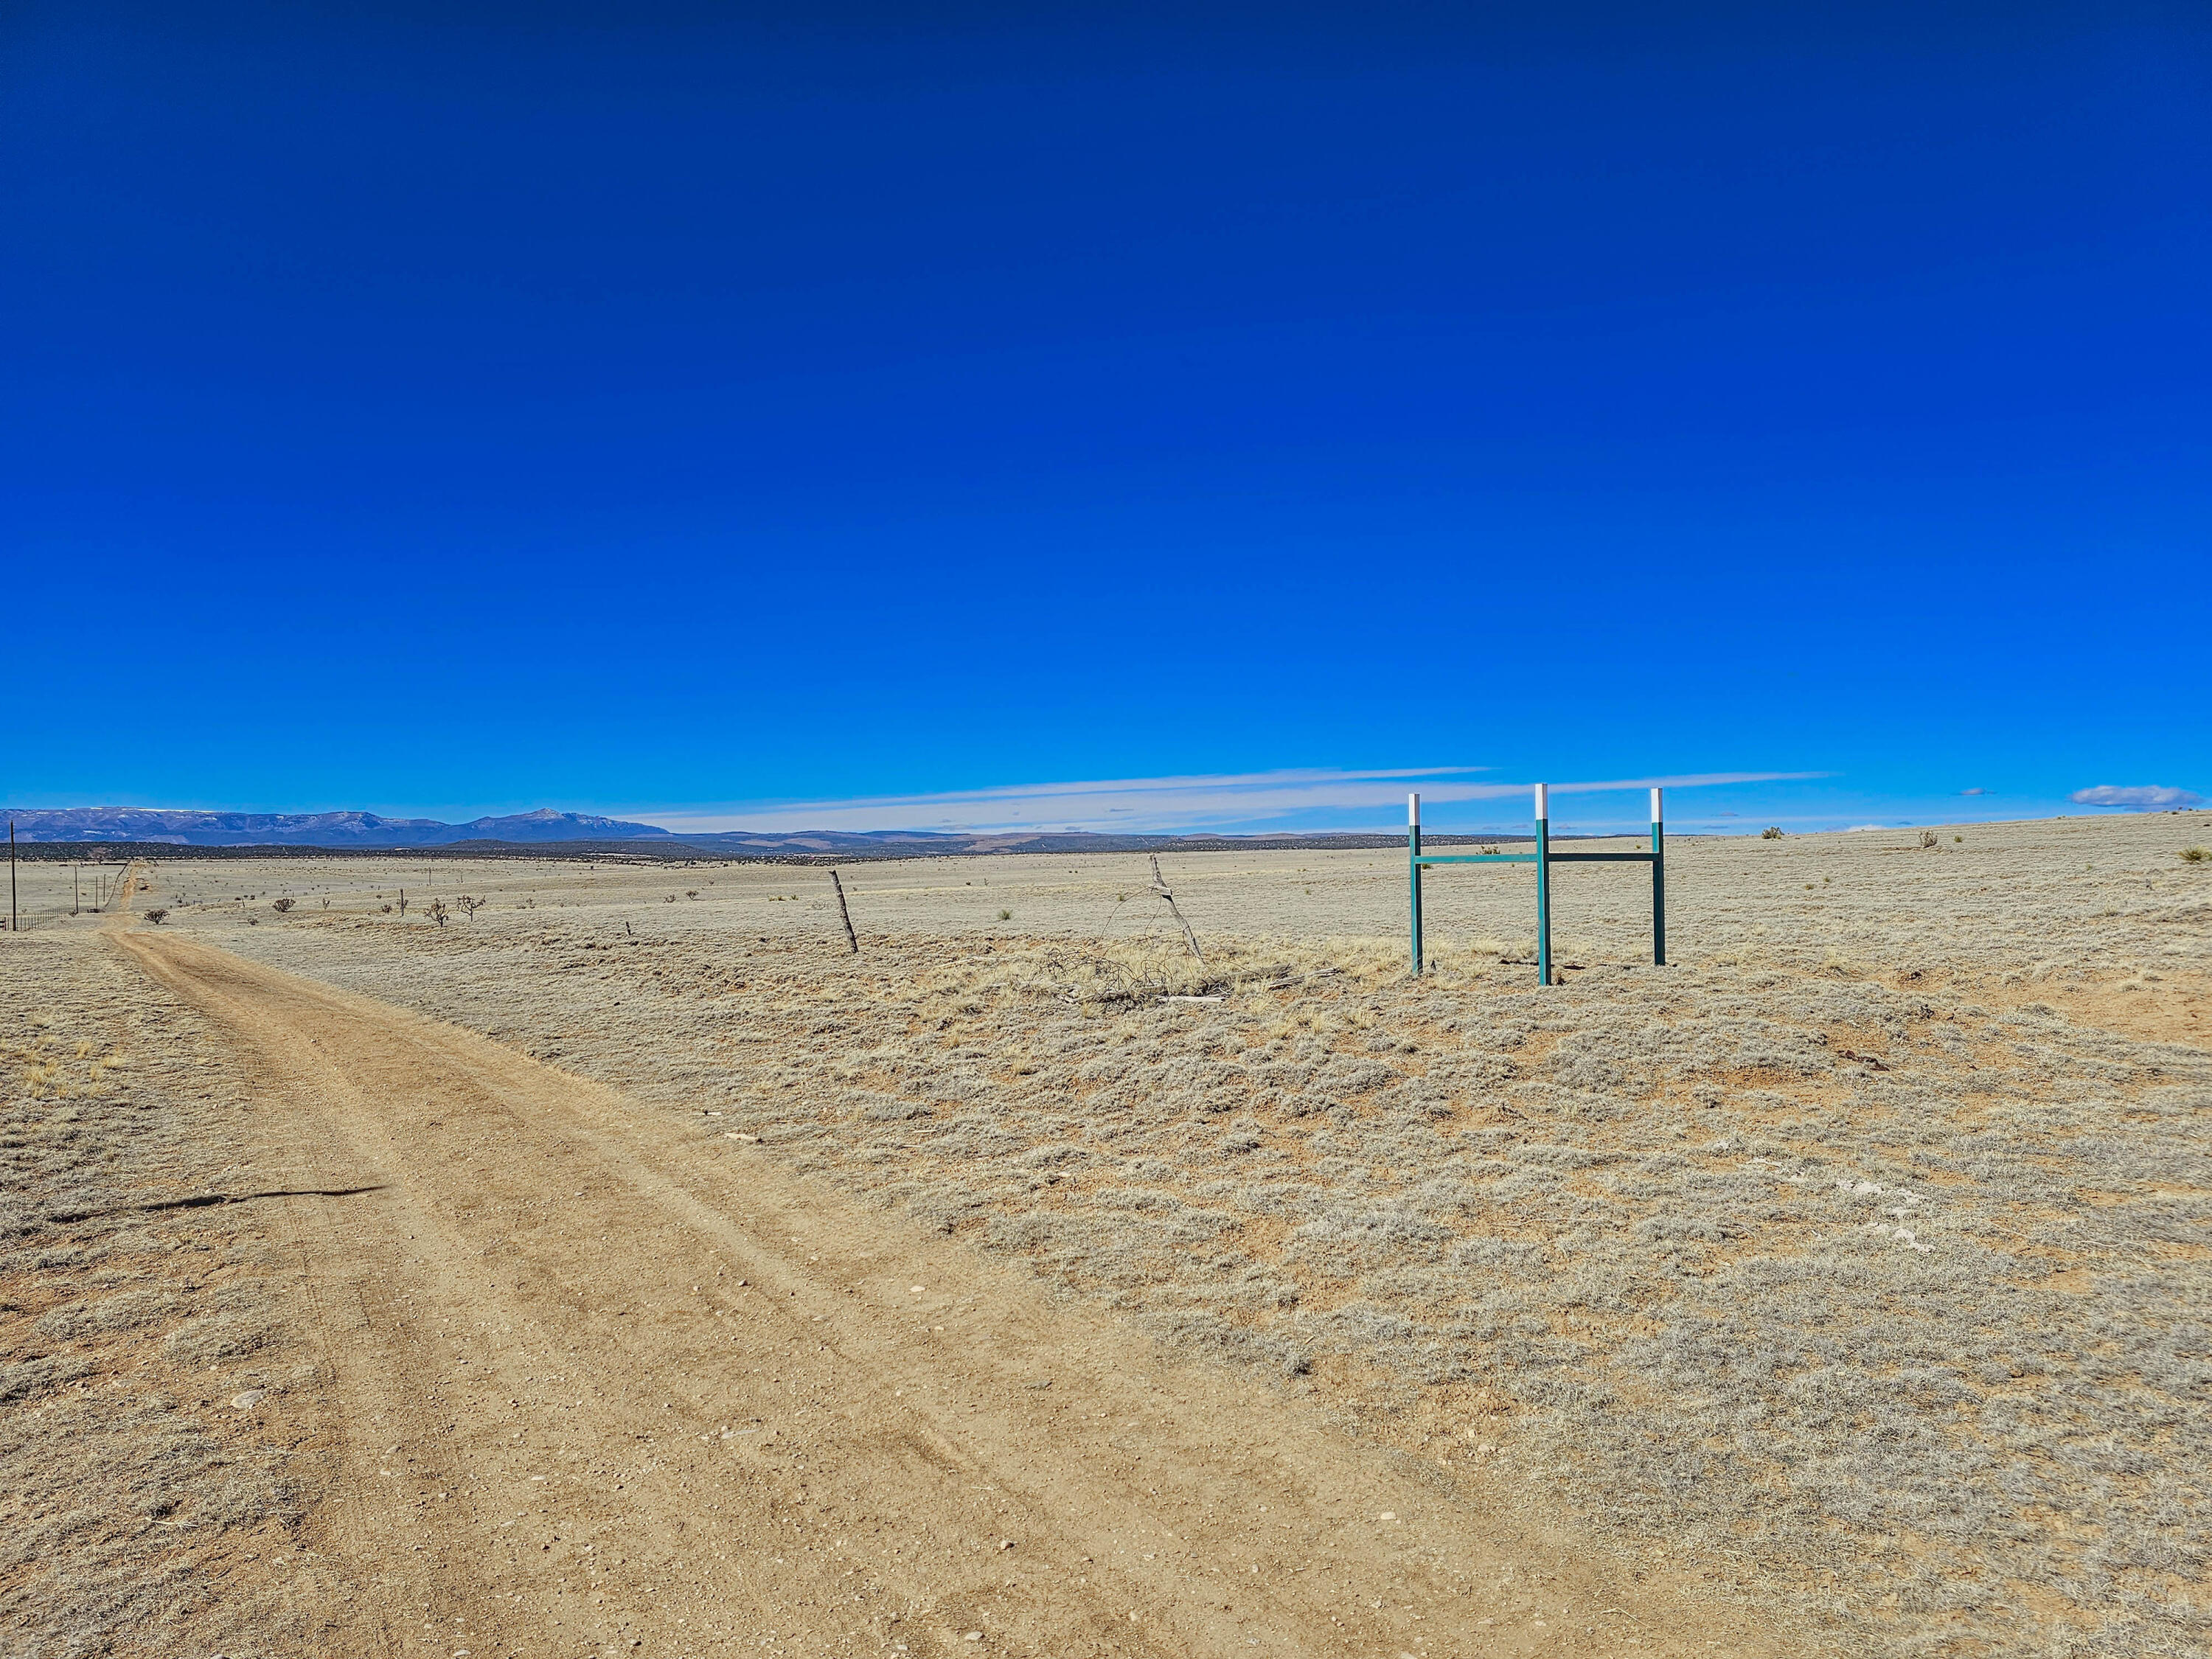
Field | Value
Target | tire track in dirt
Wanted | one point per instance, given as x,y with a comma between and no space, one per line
603,1383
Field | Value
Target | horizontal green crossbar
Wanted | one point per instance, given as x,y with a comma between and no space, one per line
1530,858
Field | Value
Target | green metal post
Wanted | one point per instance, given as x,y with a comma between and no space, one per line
1658,883
1413,872
1543,888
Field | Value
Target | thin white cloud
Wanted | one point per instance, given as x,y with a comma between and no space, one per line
2136,797
1248,800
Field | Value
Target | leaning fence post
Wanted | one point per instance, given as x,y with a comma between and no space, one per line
1413,872
1543,888
843,915
1658,884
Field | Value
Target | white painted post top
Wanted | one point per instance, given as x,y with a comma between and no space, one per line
1413,811
1655,806
1543,811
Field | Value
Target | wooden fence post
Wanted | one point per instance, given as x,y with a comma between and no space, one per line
844,914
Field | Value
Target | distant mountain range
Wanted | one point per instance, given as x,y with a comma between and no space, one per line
183,829
545,830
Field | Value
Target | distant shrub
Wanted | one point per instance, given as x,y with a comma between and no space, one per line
387,909
1931,840
2196,854
469,906
437,912
1005,916
280,906
1772,832
1958,841
157,916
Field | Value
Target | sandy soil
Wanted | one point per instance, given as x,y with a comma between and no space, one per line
1831,1291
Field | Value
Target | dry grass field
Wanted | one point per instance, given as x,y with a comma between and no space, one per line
147,1351
1849,1271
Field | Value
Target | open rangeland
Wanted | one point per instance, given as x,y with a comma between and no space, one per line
621,1265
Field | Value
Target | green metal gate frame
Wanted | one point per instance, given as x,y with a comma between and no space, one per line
1543,857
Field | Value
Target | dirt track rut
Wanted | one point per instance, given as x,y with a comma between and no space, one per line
600,1381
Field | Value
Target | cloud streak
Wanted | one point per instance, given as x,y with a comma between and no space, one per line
2136,797
1243,801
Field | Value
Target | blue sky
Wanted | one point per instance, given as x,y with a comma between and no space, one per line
880,414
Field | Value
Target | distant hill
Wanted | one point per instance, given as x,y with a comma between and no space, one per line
82,824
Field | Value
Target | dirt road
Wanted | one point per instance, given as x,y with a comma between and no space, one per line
602,1380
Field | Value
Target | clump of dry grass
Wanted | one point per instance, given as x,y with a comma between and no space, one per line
43,1071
